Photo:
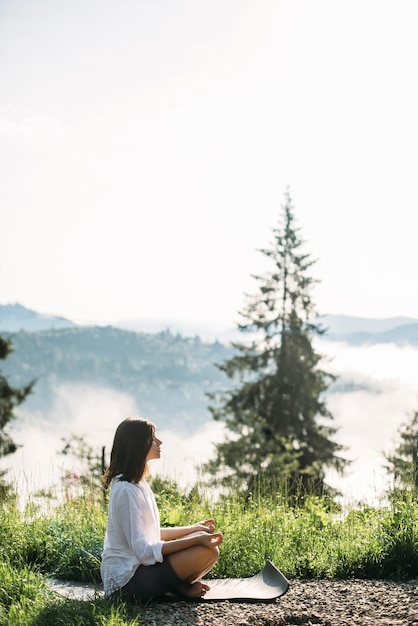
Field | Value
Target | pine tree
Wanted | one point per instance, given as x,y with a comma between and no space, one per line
403,463
10,398
275,413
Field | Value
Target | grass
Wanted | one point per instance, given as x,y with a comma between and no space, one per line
304,542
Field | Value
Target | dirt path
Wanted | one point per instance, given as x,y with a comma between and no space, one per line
326,603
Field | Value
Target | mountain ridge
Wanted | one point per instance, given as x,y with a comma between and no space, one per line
353,330
16,317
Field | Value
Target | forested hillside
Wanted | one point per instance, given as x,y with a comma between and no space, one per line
167,374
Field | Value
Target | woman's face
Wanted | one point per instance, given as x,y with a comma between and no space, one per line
154,452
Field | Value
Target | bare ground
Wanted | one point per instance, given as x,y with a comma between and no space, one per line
327,603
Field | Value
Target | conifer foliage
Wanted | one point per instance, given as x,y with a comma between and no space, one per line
402,464
10,398
277,421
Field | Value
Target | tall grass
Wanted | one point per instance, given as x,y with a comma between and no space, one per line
309,541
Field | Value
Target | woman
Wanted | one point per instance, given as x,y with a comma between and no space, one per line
141,560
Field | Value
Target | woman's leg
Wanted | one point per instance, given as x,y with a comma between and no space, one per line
191,565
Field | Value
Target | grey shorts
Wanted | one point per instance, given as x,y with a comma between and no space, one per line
151,581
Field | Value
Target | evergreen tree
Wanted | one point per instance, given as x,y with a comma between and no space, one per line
275,412
10,398
402,465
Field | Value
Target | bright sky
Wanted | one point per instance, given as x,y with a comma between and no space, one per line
145,147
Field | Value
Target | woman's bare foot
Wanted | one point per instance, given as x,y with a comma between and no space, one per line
193,590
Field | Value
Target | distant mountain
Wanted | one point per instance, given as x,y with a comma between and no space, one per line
15,317
346,325
360,331
400,336
351,330
168,375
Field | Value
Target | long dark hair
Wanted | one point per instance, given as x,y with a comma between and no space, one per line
132,442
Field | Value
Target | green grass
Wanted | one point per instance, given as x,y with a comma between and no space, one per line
304,542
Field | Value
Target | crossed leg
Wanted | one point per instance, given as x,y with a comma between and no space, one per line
191,565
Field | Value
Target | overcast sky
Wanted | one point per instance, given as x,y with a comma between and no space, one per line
145,147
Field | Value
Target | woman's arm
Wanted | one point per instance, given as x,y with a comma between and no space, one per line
176,532
201,538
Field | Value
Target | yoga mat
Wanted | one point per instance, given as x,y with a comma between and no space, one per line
266,585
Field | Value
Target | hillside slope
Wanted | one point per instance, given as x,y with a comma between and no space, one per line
168,375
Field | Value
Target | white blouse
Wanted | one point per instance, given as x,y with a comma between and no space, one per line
133,535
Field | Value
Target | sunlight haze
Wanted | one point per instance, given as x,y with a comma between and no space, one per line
145,148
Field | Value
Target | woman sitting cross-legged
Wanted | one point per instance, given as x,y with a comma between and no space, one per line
141,560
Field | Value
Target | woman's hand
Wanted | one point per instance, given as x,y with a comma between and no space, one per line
207,525
196,538
208,539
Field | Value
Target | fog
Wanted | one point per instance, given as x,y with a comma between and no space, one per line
367,420
94,413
